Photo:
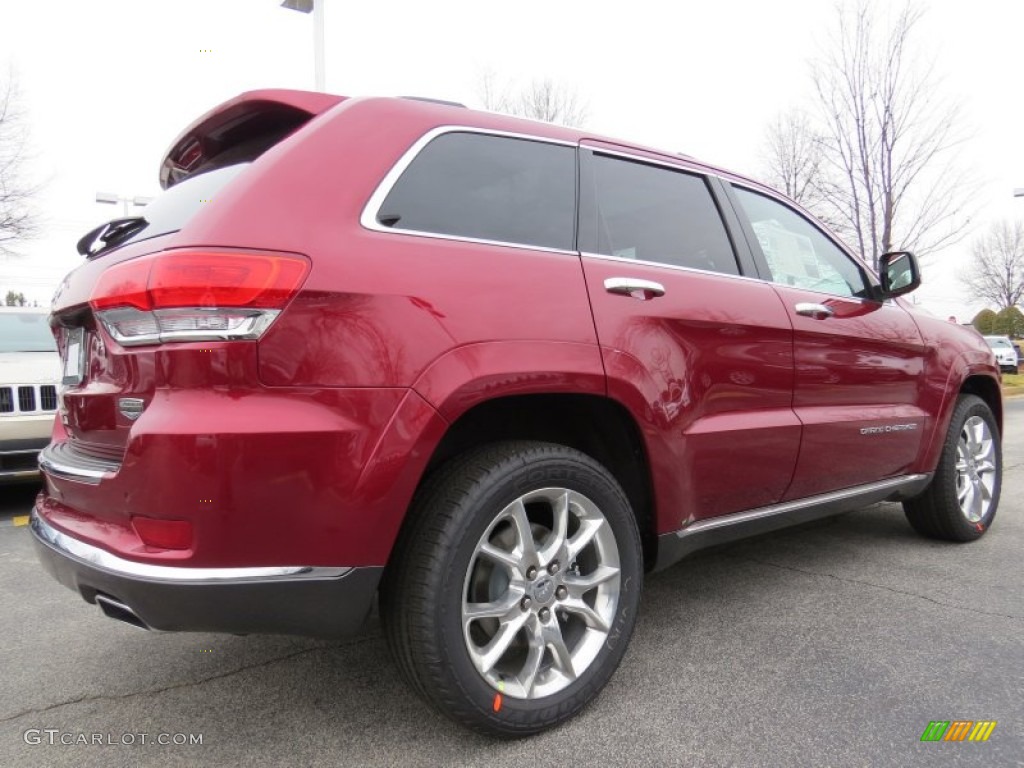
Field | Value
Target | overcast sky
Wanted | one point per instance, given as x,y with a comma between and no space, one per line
107,84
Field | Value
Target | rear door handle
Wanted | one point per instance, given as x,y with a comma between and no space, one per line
631,286
817,311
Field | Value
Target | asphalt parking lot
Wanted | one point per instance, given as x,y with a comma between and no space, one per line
831,644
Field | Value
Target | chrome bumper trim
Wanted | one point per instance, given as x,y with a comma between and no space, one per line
60,460
99,558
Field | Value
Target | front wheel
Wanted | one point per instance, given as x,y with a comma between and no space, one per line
514,592
960,503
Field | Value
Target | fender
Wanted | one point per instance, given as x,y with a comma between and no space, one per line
389,478
474,373
960,370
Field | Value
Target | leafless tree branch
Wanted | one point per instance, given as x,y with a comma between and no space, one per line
542,99
18,215
882,161
996,273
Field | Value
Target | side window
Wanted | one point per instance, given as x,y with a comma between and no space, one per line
653,213
489,188
797,252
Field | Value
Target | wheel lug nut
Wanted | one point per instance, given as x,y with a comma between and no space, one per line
561,593
525,604
545,614
531,573
553,568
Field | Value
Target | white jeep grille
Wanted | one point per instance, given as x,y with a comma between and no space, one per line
28,398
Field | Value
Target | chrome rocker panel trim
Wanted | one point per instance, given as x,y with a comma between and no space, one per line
674,546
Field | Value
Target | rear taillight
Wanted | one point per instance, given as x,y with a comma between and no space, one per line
191,295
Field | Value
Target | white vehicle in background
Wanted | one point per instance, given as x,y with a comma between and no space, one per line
1005,352
29,377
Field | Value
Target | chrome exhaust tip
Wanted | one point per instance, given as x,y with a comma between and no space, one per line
115,609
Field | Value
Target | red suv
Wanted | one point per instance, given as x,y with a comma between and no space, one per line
487,371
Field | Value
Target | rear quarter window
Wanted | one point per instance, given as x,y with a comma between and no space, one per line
485,187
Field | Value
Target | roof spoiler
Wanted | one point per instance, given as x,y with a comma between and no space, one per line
240,129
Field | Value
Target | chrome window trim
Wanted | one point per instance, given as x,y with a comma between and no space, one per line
99,558
685,166
368,218
676,267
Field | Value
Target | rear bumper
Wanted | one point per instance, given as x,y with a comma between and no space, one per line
316,601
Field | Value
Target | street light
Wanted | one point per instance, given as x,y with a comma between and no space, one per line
110,198
317,7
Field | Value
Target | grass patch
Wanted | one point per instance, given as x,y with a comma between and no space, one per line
1013,384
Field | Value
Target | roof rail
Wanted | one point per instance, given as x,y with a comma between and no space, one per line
445,102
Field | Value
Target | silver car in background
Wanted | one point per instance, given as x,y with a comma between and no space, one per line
1005,352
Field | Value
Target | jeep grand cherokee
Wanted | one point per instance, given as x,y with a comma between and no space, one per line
486,371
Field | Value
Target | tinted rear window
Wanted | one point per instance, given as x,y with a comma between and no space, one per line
657,214
171,210
488,188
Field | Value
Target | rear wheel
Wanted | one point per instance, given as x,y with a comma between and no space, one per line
960,503
514,592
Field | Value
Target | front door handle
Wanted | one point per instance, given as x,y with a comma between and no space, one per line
817,311
631,286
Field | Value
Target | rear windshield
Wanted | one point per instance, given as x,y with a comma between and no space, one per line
171,210
25,332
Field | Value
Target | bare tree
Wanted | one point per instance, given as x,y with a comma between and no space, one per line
542,99
18,216
996,273
888,137
793,158
493,95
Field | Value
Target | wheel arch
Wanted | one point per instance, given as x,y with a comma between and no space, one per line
985,387
962,380
592,424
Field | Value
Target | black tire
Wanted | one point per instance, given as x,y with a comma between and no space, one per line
430,576
937,512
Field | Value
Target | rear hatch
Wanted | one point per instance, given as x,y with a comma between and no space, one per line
143,296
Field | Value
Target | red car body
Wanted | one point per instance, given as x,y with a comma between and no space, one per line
302,450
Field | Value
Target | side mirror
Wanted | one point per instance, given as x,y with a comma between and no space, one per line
900,273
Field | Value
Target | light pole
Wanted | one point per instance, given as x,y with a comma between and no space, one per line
317,7
110,198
